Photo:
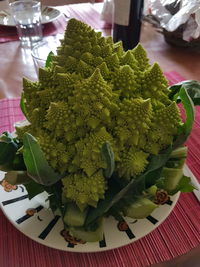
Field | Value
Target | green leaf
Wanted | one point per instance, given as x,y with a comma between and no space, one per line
187,92
6,137
6,167
49,60
154,168
17,177
33,189
18,162
108,156
55,196
116,214
23,105
152,177
189,109
103,205
37,166
188,124
191,86
184,185
53,203
8,148
15,164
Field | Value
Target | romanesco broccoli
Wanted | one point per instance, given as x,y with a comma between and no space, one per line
93,93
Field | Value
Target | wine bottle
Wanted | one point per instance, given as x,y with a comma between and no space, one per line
129,34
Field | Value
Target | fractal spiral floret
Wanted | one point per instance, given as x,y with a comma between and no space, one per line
92,93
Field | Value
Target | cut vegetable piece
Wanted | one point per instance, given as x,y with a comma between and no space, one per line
88,236
140,209
172,177
74,216
152,190
180,152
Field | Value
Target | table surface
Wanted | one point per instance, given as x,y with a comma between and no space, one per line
16,62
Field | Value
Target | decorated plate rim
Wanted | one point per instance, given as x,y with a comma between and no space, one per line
126,236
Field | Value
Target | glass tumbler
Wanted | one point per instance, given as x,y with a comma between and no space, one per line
41,51
27,17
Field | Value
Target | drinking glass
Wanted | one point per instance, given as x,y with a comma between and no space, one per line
41,50
27,17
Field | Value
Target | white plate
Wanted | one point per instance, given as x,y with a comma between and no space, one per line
44,228
49,14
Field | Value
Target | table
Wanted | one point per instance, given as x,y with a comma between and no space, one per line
17,62
14,60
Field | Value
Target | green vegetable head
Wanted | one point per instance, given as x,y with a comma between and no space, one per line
93,93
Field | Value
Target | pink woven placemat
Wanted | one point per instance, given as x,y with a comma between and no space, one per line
179,233
8,34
